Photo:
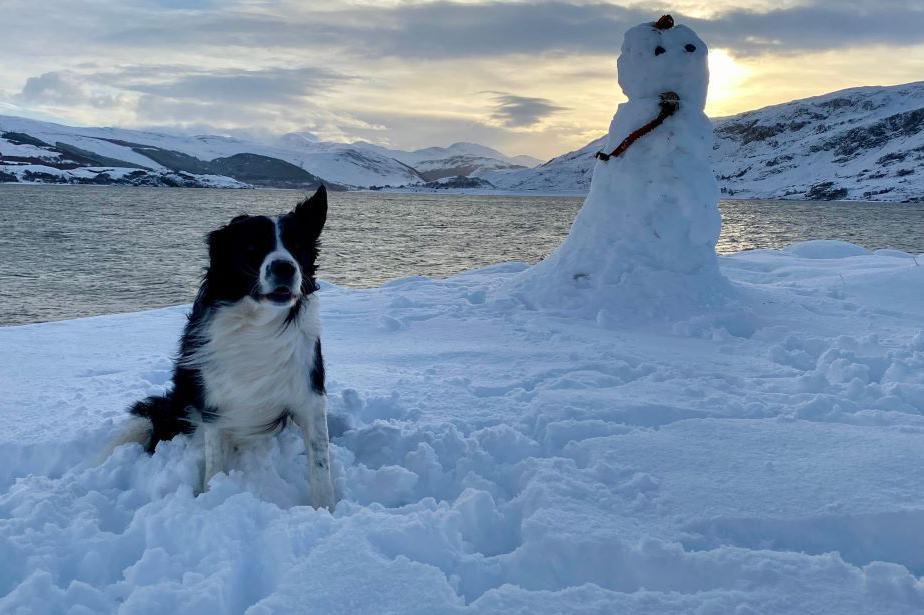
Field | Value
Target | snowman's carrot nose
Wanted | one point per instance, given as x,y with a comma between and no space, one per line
669,104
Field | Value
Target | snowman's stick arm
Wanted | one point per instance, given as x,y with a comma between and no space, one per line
669,104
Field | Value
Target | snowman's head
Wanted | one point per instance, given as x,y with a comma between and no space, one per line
661,57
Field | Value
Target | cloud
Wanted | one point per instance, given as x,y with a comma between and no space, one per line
62,88
52,87
268,85
261,100
443,29
411,30
415,72
816,27
468,29
522,111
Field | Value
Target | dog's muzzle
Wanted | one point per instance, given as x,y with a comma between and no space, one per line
282,280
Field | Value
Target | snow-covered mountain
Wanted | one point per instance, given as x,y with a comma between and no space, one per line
456,150
458,160
350,165
862,143
567,173
37,151
288,162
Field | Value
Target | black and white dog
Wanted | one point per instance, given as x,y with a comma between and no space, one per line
250,356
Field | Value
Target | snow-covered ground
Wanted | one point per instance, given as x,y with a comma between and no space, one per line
762,458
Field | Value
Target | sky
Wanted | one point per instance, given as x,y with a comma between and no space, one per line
527,77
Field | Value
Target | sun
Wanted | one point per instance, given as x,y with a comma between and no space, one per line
726,76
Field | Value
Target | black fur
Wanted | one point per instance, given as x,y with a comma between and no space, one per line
317,370
236,252
165,421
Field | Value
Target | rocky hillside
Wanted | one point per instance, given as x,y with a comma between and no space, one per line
857,144
25,158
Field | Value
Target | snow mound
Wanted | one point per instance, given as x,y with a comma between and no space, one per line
826,248
644,242
497,460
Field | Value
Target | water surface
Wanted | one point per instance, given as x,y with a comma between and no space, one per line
68,251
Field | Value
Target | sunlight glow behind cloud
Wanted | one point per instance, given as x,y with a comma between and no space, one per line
726,76
526,77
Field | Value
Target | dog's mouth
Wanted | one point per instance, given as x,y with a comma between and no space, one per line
280,295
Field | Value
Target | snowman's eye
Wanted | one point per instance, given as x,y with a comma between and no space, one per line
659,50
690,48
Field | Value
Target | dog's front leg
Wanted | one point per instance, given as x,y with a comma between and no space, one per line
313,421
216,453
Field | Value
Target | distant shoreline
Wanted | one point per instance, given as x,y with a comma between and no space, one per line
456,192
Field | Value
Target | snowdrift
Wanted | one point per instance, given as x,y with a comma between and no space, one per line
496,460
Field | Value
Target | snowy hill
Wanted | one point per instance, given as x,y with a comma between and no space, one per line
497,460
66,152
457,160
568,173
861,143
464,166
45,152
347,164
456,150
287,163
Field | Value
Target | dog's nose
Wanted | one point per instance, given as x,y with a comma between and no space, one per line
282,270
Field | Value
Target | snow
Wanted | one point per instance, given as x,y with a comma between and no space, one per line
23,173
354,165
680,67
90,139
869,142
357,165
469,166
643,244
346,164
25,150
633,425
456,150
569,173
335,162
497,459
863,140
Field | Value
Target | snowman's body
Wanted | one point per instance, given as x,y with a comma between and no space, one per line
648,229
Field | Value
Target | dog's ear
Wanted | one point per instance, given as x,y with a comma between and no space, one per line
216,238
215,241
312,212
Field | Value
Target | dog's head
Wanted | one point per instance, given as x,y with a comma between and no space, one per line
269,260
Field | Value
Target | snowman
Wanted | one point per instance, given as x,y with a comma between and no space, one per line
643,244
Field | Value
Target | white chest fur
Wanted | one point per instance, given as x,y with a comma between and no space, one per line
255,367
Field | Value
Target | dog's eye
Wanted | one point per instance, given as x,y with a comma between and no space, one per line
291,241
250,248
